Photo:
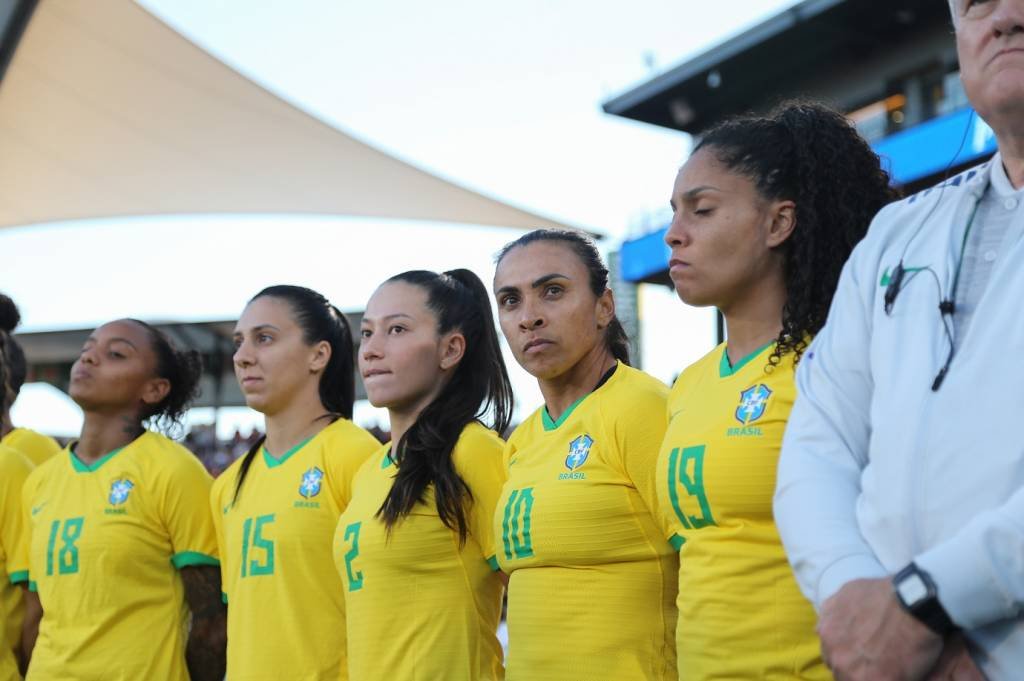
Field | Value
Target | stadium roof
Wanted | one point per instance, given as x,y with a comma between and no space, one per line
106,111
794,52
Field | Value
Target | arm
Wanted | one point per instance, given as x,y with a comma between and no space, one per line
977,571
826,444
205,652
29,627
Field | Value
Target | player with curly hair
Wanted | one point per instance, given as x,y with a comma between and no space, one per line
121,545
765,213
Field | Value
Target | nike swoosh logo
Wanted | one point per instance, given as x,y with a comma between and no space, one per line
676,413
887,275
37,509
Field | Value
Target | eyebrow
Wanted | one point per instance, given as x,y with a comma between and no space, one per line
117,339
696,191
537,283
389,317
258,327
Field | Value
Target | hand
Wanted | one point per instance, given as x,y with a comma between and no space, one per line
866,635
955,663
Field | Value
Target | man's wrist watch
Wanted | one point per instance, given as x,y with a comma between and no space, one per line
918,595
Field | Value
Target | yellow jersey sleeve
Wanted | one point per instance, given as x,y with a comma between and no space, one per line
348,447
221,493
184,507
478,461
14,470
638,447
35,447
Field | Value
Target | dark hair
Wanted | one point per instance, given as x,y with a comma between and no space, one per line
615,337
319,321
9,319
182,369
813,156
479,384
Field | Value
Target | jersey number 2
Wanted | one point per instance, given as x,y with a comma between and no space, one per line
355,577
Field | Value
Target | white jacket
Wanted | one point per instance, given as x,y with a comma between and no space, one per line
877,470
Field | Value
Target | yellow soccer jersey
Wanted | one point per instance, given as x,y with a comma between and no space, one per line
33,446
14,469
107,541
286,613
741,615
592,580
419,606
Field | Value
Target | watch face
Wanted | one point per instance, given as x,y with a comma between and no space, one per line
912,589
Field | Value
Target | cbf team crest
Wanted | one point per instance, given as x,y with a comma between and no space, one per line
119,491
311,479
579,450
753,402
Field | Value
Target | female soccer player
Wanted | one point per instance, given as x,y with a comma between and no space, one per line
122,544
766,212
14,469
414,547
592,580
34,446
276,508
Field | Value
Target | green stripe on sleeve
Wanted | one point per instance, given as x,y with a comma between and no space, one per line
676,541
19,577
32,587
190,558
493,562
223,598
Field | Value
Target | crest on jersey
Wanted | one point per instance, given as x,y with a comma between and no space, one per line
119,491
579,450
310,486
753,402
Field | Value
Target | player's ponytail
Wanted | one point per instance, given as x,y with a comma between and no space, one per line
478,387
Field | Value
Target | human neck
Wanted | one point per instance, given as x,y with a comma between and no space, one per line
103,433
5,425
565,389
1011,149
299,421
403,417
753,323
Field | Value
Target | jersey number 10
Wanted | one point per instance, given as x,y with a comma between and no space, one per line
515,525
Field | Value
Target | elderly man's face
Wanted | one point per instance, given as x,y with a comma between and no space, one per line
990,40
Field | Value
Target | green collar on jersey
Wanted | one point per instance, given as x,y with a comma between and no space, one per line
274,461
726,368
82,467
550,424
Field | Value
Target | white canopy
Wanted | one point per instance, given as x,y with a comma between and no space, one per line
106,111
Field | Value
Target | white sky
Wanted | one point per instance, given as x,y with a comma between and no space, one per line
500,97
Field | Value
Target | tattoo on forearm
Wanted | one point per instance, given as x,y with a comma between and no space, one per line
207,641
